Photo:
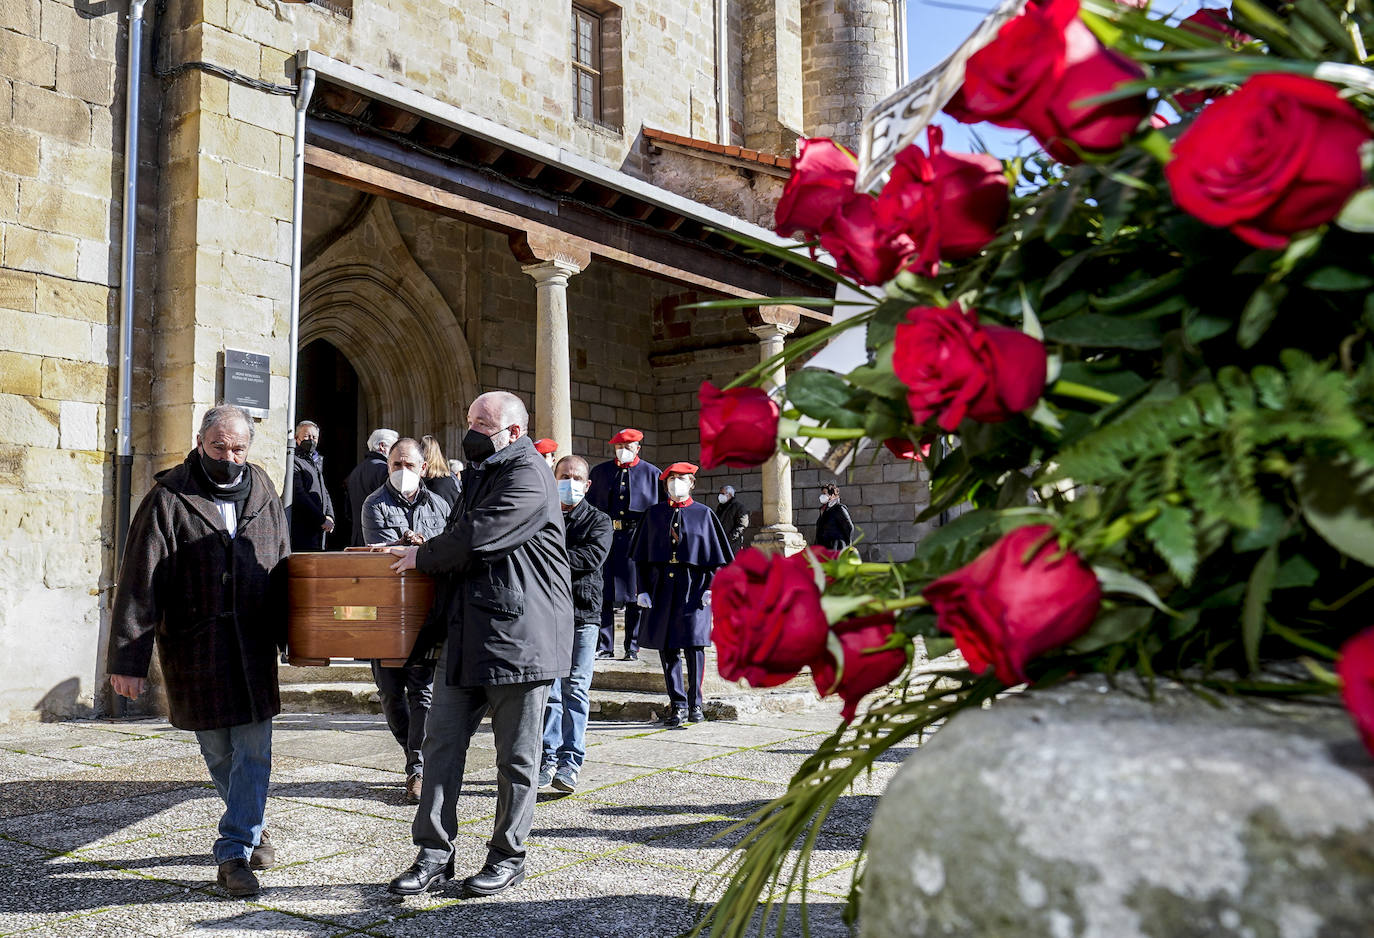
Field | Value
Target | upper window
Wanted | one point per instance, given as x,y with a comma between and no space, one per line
587,67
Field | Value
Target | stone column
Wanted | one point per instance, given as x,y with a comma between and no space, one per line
552,382
772,325
848,64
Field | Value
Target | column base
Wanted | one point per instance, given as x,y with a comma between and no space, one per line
779,538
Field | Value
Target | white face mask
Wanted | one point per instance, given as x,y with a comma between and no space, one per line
623,454
679,488
405,481
825,499
722,498
571,491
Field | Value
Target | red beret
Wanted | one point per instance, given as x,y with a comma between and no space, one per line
545,446
627,436
680,467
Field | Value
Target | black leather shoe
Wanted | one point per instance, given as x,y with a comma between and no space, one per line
494,879
696,715
631,656
676,718
420,877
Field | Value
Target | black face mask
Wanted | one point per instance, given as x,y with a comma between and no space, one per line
477,446
220,471
305,447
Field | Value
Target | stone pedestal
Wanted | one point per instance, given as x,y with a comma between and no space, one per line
1087,812
778,532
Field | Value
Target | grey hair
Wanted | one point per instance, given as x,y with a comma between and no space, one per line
728,490
222,412
512,410
307,423
378,437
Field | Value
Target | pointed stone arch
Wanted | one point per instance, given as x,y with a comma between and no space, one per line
366,295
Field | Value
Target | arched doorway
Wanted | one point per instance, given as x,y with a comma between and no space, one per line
327,393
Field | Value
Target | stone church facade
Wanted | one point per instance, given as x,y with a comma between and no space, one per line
496,195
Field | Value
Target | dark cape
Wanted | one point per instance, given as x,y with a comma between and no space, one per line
677,574
834,529
624,495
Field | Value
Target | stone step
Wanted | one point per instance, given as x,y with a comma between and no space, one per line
346,671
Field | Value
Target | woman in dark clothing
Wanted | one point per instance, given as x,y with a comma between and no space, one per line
437,477
833,528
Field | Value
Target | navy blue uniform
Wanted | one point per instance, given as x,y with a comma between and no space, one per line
677,551
624,494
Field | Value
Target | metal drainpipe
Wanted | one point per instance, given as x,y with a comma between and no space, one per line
722,72
305,78
124,445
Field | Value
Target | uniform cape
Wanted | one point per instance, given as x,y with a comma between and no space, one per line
603,492
678,617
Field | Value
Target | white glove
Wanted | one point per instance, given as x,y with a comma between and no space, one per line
643,601
706,598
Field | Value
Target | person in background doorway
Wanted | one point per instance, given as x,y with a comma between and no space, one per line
833,528
733,518
455,468
312,510
547,448
402,511
366,477
204,578
624,488
437,477
678,549
587,533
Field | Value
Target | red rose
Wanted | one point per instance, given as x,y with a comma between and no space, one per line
1210,23
953,367
822,180
903,448
1278,156
1004,611
1035,75
738,426
863,670
863,247
950,203
766,616
1356,668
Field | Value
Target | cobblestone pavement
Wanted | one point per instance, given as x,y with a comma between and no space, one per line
106,828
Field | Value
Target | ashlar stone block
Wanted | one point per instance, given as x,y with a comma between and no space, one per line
28,421
77,426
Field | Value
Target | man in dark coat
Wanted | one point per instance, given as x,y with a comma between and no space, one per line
733,518
678,549
203,579
623,488
312,510
588,537
366,478
502,620
834,529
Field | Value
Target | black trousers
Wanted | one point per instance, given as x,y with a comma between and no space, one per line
605,639
680,696
406,694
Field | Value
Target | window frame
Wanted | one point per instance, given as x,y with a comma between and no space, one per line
595,70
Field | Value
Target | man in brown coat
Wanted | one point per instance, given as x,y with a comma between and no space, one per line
203,576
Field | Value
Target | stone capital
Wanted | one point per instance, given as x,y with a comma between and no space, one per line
767,321
551,271
534,248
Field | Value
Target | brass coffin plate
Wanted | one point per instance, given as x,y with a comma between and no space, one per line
355,613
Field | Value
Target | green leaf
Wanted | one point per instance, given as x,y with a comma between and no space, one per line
1111,627
878,377
1270,530
1098,330
1358,214
960,538
1337,499
1338,279
822,395
1252,610
1200,327
1296,571
1259,313
1118,581
1172,534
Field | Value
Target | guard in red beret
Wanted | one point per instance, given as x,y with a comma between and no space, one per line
546,448
677,550
623,488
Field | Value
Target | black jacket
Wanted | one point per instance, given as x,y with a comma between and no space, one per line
504,600
734,519
445,486
367,477
310,505
588,536
833,527
215,604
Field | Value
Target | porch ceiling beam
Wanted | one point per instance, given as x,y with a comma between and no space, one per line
356,174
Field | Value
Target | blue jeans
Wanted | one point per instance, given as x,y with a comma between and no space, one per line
240,762
565,718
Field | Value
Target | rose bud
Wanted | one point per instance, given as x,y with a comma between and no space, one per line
1278,156
1005,611
863,670
739,426
766,617
955,368
1356,669
822,180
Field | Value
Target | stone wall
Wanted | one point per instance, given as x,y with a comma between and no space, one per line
848,64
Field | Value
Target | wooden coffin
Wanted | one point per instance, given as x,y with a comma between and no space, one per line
347,604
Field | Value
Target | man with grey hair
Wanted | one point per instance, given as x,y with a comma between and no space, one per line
366,478
501,628
203,580
312,510
733,518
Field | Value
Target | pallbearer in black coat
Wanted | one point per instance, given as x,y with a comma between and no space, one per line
623,488
677,550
